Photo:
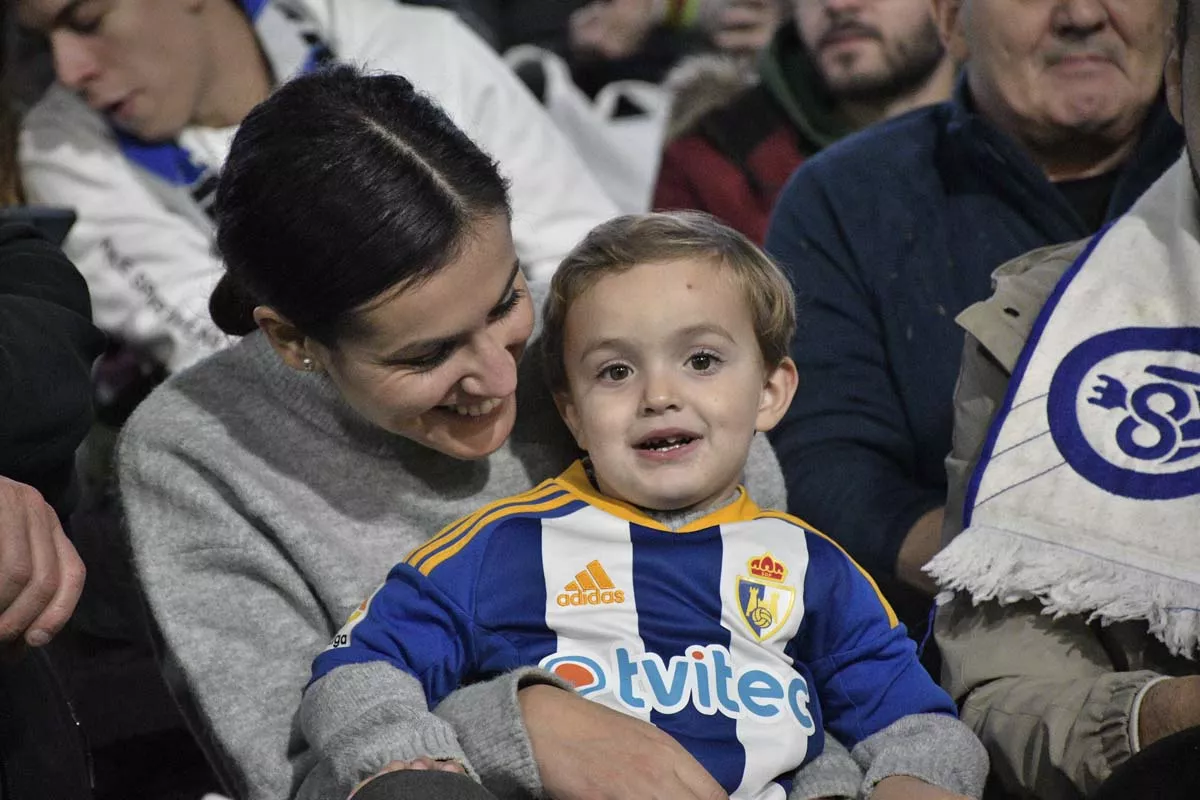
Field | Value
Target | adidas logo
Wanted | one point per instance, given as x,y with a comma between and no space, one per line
591,587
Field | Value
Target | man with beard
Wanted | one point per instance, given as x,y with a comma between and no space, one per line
1057,125
841,65
1071,643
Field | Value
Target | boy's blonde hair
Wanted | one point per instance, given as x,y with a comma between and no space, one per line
625,242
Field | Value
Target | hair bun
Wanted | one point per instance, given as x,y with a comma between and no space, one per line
232,307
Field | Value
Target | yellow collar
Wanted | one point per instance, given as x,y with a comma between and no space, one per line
575,481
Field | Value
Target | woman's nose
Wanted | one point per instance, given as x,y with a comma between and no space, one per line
494,371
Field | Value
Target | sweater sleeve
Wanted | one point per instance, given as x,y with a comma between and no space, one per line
362,715
833,774
845,443
935,748
47,345
237,626
362,708
150,269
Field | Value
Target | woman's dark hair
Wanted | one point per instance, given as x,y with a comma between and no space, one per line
340,187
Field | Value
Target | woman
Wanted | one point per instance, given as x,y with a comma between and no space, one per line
267,490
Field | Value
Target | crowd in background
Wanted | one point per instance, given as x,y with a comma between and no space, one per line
939,180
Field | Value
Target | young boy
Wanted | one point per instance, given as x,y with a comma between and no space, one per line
644,575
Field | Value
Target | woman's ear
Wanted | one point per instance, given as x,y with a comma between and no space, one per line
777,392
293,347
570,415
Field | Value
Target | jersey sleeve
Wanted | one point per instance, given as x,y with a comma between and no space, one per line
865,667
414,624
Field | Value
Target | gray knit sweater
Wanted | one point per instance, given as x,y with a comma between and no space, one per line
261,510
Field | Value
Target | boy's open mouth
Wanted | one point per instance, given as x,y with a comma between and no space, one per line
663,444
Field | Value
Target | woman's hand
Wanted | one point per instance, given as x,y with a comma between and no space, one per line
416,763
41,575
902,787
585,750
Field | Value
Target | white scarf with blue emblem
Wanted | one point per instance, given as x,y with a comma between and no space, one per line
1087,493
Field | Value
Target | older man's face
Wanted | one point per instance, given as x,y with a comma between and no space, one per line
1183,85
870,48
139,62
1048,69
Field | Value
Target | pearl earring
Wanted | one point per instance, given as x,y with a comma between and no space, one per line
308,364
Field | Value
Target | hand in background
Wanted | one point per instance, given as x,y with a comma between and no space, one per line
922,543
584,750
612,29
41,575
1169,707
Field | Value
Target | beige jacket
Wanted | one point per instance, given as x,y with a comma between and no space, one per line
1054,701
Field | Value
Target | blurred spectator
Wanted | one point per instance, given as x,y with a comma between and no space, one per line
463,8
618,28
167,85
841,66
611,40
11,193
1078,578
47,345
1058,125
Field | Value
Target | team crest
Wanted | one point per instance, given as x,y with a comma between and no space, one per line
764,601
1124,411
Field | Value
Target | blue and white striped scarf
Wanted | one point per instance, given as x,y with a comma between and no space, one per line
1087,493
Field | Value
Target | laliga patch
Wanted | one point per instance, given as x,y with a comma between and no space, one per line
1124,411
342,637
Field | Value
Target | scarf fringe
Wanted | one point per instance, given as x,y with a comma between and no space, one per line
994,564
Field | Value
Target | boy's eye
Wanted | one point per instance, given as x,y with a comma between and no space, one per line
615,372
703,362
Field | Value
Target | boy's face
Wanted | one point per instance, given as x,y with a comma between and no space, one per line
666,383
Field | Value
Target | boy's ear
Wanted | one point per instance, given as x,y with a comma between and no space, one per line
777,392
570,415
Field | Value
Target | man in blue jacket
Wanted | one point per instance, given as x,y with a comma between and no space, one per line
1057,125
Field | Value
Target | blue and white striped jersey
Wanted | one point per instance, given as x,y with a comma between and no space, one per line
744,634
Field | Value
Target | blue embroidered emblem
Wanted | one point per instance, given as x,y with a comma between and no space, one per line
1124,411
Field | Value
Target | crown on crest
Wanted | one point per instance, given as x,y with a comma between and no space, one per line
766,567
